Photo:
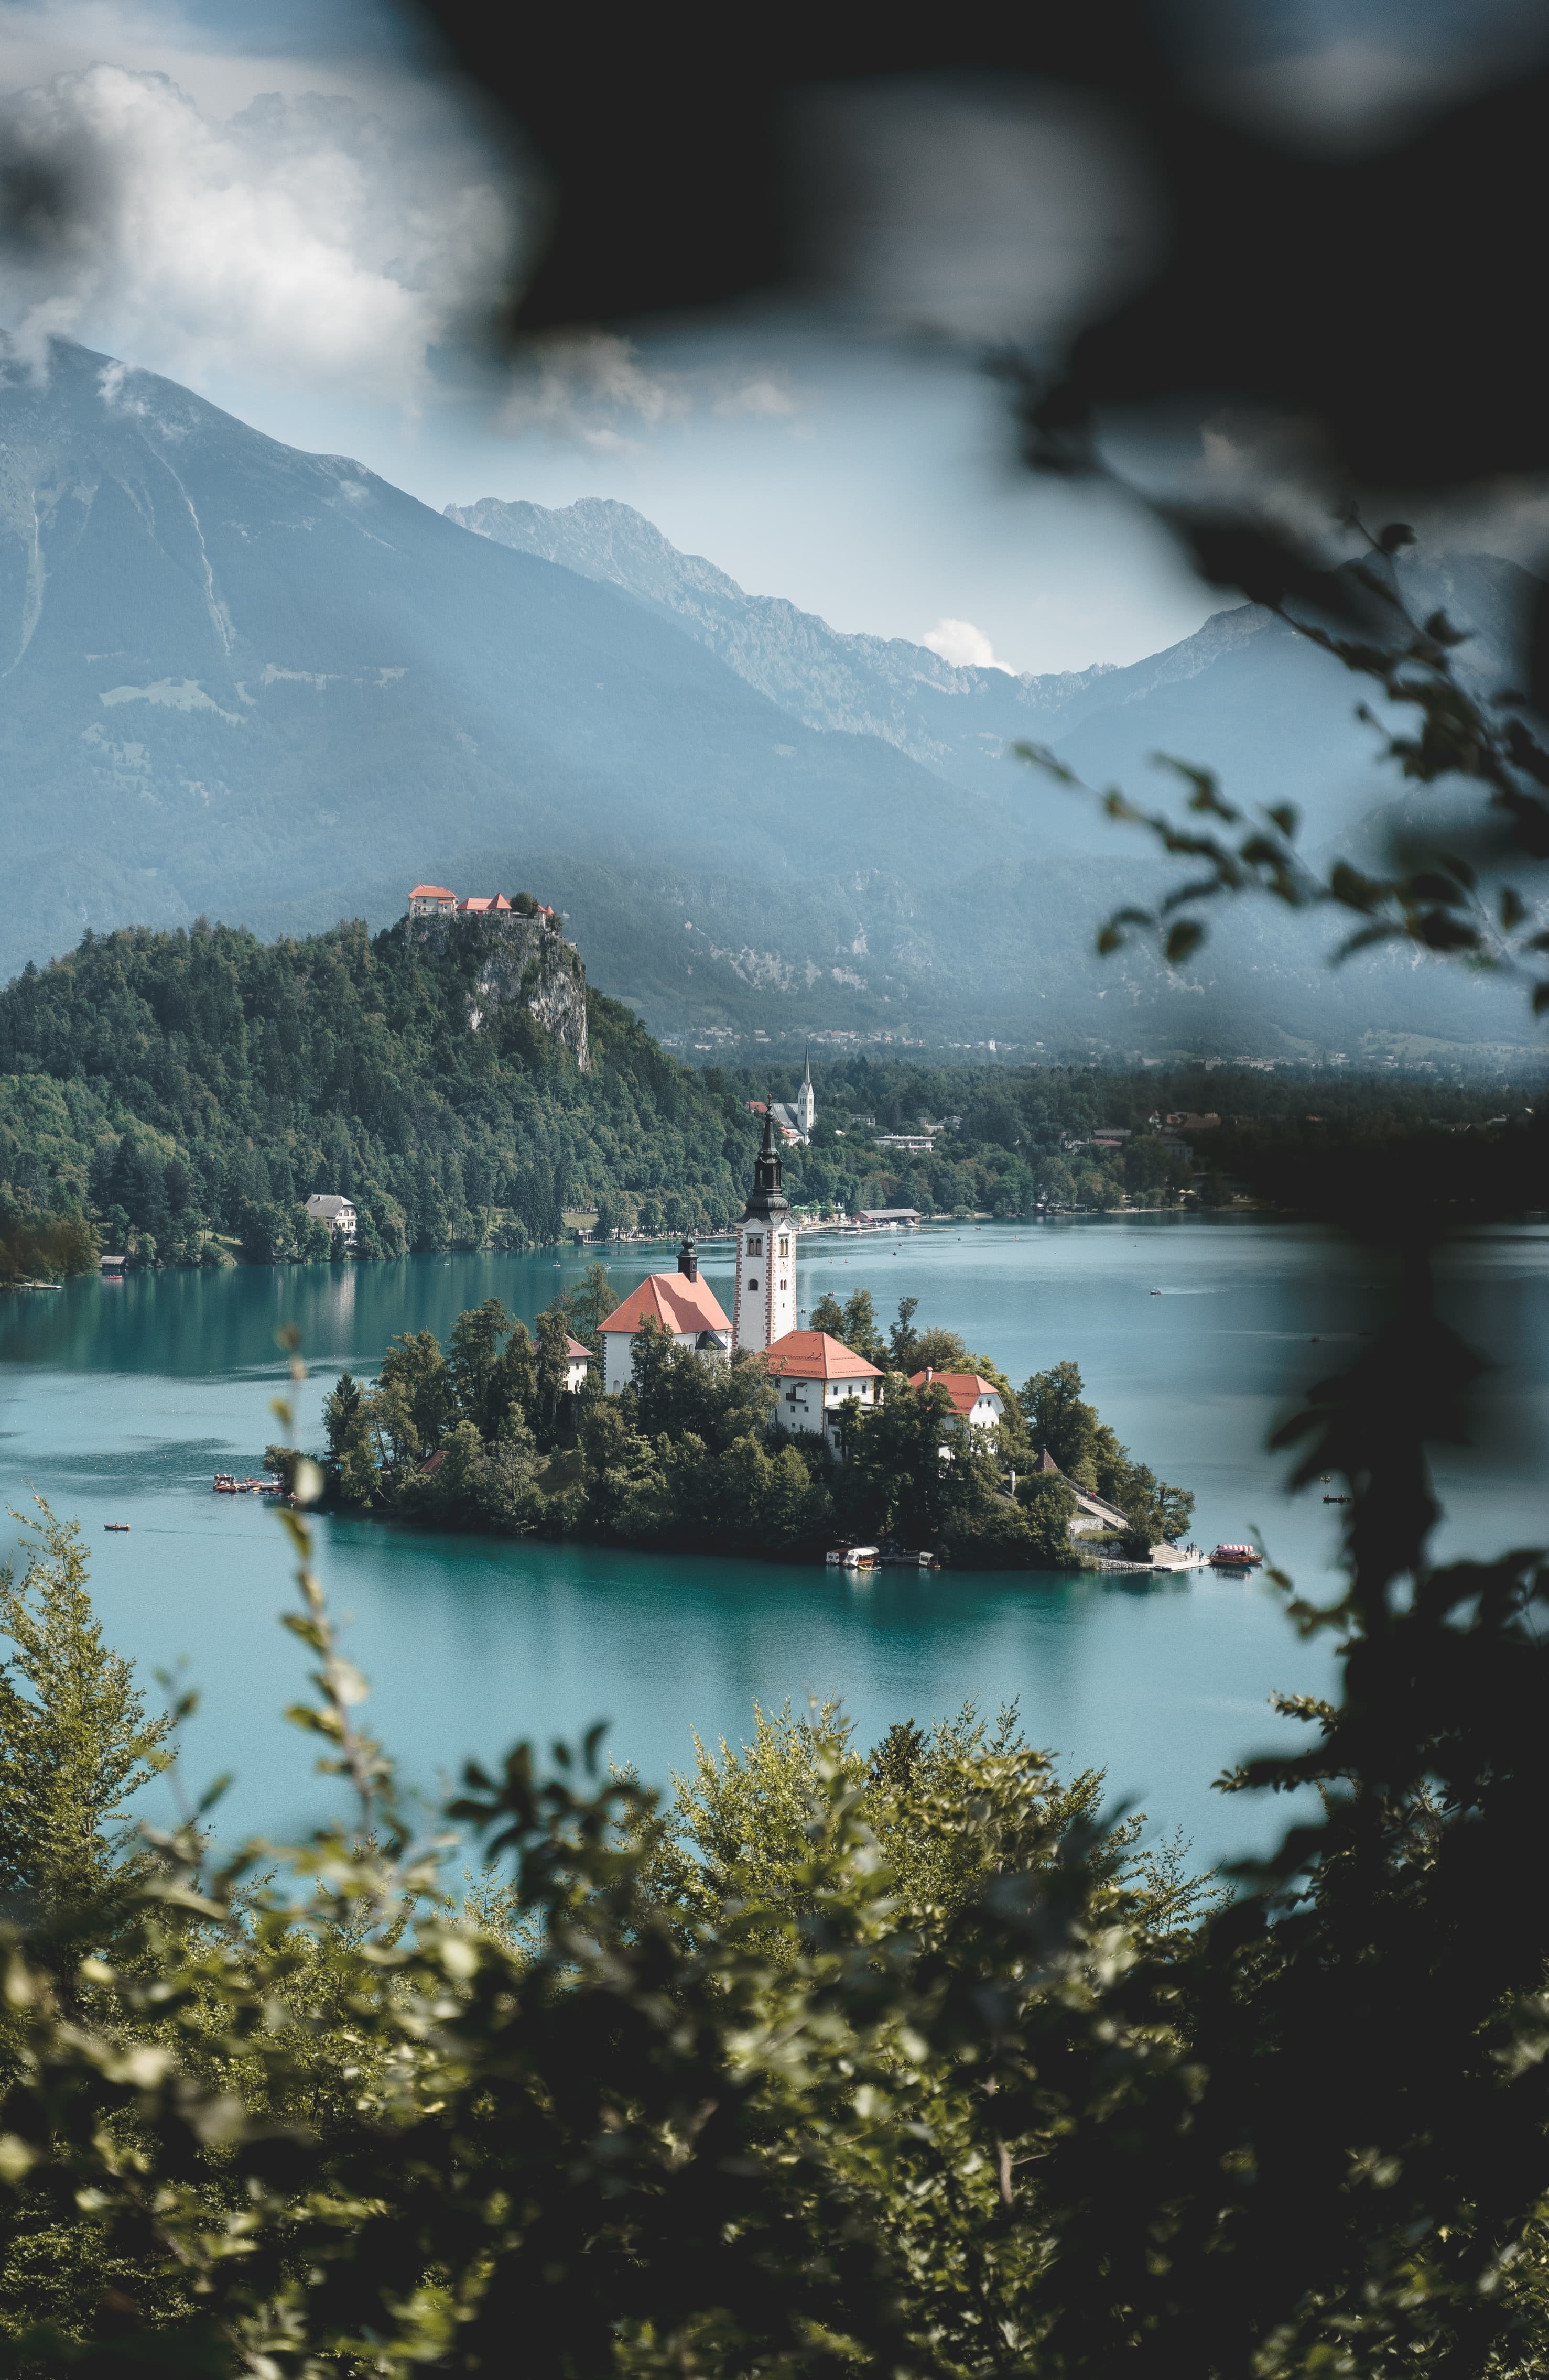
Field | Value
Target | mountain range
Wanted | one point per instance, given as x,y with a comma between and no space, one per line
241,680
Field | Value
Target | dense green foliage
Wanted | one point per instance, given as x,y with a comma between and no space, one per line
189,1090
483,1434
1014,1137
899,2063
37,1245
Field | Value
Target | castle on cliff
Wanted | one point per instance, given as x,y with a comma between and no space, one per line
435,901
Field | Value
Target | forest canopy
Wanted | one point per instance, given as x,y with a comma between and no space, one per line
187,1091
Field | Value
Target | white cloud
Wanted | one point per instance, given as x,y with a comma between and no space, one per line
761,397
966,646
301,240
585,385
595,389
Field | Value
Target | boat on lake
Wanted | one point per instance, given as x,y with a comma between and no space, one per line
227,1484
122,1525
1235,1558
854,1558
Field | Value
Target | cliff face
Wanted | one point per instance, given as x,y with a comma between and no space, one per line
512,961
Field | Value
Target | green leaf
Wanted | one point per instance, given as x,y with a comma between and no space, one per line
308,1630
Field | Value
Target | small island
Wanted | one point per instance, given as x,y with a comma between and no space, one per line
660,1421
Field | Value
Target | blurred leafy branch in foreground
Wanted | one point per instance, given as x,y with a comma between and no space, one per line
1357,615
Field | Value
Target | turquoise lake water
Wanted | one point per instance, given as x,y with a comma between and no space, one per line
119,1402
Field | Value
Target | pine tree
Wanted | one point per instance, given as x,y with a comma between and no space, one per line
75,1742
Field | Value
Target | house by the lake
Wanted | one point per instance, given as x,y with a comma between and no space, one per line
338,1213
817,1377
977,1402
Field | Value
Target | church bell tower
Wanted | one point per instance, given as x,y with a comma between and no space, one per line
765,1307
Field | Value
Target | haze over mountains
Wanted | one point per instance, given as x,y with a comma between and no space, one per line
264,685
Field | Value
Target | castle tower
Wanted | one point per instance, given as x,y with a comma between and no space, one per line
806,1103
765,1307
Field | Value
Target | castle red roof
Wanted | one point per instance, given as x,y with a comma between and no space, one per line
965,1389
431,892
813,1355
679,1303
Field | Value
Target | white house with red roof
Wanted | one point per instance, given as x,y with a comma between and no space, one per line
577,1359
683,1306
978,1402
817,1377
432,901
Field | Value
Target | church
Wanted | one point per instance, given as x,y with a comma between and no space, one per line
686,1307
795,1117
765,1303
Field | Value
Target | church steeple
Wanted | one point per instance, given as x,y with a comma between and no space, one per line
765,1305
806,1101
766,1193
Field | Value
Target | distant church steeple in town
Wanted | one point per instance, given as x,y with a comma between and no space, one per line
765,1307
806,1101
796,1116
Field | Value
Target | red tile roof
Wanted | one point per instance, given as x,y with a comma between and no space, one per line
477,901
673,1300
813,1355
431,892
964,1388
575,1353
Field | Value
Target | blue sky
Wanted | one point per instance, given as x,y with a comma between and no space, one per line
303,220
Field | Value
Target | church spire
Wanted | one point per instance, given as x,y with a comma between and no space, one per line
766,1168
765,1250
806,1101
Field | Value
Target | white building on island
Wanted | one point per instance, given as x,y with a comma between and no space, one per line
817,1377
679,1302
765,1303
974,1401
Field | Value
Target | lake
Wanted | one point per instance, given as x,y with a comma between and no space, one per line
121,1400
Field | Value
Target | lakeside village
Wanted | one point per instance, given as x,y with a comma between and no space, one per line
660,1421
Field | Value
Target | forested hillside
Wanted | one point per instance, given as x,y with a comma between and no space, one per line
1004,1140
177,1087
